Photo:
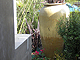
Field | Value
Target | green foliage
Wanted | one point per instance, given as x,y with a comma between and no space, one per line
39,55
27,15
69,30
71,0
59,55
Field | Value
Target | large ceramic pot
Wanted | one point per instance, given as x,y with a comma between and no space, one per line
48,18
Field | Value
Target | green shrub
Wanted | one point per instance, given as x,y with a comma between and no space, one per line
69,30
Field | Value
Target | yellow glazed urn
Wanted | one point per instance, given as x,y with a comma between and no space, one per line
48,18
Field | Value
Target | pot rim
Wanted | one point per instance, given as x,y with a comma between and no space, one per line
53,4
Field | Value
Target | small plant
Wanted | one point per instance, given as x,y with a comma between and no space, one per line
39,55
69,30
60,56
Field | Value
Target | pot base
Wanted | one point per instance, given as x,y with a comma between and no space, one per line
51,45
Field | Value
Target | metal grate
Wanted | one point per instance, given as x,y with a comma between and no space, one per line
27,15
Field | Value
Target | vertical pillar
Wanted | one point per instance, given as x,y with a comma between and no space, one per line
7,46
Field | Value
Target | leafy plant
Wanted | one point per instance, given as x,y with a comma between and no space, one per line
69,30
59,56
71,0
27,15
39,55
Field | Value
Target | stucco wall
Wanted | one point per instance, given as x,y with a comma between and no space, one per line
7,46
